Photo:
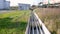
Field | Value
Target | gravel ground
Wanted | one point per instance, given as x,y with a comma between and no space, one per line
5,11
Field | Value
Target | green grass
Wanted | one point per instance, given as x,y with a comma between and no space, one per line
14,22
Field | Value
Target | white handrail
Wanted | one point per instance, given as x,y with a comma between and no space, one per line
46,31
34,22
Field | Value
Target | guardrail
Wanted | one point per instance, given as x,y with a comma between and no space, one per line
35,25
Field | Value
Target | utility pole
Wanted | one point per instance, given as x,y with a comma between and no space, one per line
48,3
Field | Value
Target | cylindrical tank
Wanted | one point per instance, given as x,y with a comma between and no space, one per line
7,4
2,4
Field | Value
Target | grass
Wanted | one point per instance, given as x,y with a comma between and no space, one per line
51,18
13,22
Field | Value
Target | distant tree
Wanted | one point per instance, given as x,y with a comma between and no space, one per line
33,7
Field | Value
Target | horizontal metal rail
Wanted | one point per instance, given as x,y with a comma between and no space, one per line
35,25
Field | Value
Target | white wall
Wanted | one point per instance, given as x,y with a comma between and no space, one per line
24,6
2,4
7,5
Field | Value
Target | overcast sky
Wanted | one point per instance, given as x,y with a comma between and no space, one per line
35,2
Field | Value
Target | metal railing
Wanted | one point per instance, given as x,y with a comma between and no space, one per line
35,25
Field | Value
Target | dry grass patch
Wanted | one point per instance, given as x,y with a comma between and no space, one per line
50,17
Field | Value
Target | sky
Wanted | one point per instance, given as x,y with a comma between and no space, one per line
51,1
15,2
35,2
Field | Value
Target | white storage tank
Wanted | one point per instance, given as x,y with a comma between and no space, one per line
7,5
2,4
24,6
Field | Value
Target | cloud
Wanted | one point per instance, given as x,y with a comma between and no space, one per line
15,2
35,2
52,1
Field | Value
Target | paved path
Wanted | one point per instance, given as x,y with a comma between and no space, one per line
4,11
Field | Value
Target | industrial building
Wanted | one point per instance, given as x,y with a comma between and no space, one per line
4,4
7,5
23,6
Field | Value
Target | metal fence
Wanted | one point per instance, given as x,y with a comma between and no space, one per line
35,25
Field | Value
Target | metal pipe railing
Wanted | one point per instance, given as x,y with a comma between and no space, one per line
35,25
